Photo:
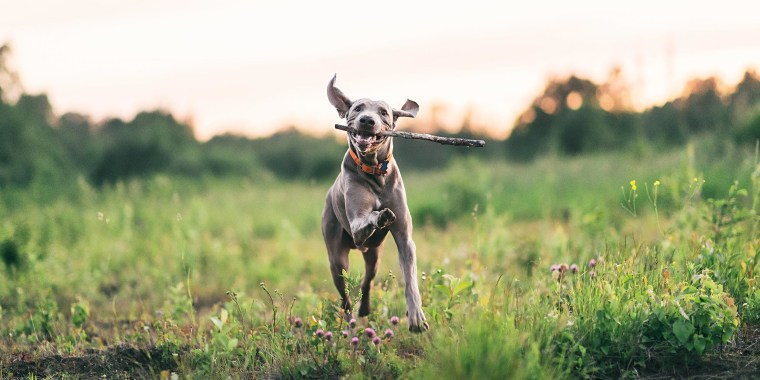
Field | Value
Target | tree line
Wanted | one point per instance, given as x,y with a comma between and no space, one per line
572,116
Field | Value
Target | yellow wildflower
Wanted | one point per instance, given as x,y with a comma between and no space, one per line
633,185
657,183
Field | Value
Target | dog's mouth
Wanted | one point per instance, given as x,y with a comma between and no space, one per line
367,142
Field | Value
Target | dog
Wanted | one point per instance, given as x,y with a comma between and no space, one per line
368,200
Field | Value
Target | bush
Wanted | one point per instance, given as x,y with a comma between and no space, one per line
623,319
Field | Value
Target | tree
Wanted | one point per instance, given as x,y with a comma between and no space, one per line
568,119
9,80
745,100
29,148
703,107
152,142
665,125
75,134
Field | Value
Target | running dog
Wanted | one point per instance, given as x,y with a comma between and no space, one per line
368,200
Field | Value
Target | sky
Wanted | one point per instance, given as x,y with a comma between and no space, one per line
253,67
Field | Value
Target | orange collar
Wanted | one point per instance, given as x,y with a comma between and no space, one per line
379,169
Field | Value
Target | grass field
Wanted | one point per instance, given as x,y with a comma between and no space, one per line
205,278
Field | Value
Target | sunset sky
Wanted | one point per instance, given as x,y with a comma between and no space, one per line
255,66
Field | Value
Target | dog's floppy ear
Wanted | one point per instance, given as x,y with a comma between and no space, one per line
409,109
338,99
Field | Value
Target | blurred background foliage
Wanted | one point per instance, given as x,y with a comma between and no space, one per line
45,152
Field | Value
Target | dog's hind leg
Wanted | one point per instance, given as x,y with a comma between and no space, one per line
371,264
338,242
339,266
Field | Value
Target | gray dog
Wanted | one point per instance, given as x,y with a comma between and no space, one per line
367,200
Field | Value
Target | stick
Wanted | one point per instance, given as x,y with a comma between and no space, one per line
423,136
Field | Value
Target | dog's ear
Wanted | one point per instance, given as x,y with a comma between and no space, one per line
409,109
338,99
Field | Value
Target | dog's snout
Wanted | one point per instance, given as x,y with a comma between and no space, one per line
366,120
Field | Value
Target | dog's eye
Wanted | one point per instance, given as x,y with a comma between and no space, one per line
358,108
384,112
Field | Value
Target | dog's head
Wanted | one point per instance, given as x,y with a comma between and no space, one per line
369,117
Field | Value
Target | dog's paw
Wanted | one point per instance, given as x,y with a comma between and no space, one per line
364,310
385,218
361,236
417,323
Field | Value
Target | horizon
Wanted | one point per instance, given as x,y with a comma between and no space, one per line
236,68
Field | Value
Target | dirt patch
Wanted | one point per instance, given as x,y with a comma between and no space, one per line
120,362
737,360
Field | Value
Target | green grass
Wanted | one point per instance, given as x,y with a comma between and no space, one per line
209,274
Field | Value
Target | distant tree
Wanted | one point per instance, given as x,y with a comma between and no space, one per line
152,142
665,125
75,134
294,155
29,150
702,106
614,95
35,109
230,154
567,119
10,84
584,130
749,132
745,100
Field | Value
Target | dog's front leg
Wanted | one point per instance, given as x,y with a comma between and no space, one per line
364,221
407,257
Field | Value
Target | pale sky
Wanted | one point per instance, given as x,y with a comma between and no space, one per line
253,67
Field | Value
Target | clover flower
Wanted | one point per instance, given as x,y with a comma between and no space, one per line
344,333
319,333
394,320
574,268
352,323
592,263
297,323
376,340
369,332
388,333
328,336
355,341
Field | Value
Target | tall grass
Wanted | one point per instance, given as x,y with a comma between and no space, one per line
216,271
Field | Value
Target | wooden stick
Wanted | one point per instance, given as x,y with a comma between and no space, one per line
423,136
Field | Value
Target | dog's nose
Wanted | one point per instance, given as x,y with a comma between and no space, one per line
366,120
